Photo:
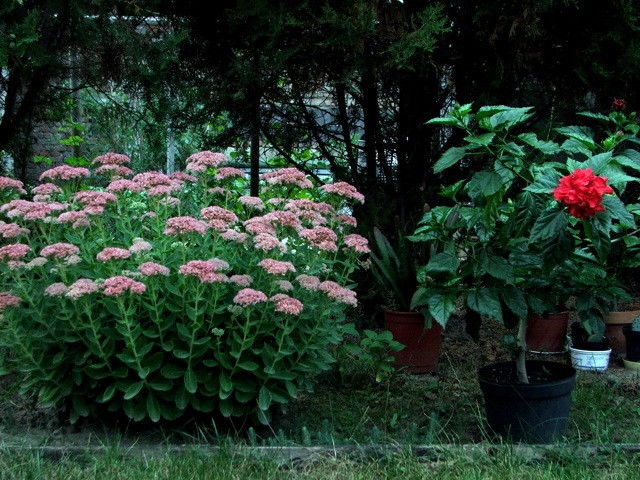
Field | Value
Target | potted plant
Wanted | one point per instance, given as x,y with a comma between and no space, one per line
632,335
621,316
395,273
588,353
534,212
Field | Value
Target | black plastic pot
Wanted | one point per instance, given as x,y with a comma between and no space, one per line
537,412
633,344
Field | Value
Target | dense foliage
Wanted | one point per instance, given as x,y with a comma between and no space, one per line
158,295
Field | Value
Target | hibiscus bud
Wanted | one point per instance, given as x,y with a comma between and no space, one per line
618,104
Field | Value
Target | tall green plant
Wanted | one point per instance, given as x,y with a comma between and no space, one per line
394,271
516,236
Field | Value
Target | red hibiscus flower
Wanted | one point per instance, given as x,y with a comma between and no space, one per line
618,104
582,192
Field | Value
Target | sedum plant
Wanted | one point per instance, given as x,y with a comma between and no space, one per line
158,295
533,226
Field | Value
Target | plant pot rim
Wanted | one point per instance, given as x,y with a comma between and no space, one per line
631,365
621,317
567,372
579,350
402,312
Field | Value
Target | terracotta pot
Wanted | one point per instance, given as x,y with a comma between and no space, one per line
547,334
614,322
422,347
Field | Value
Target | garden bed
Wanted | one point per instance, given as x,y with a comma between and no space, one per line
349,407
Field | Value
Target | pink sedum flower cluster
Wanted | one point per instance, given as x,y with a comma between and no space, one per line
111,158
276,267
200,162
229,172
113,253
15,251
321,237
59,250
152,269
12,230
118,285
65,172
10,183
357,243
249,296
343,189
57,289
8,300
207,271
46,189
286,304
182,225
255,203
81,288
338,293
287,176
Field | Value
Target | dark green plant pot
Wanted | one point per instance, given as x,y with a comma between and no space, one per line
633,344
537,412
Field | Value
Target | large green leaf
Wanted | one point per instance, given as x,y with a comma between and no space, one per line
510,117
449,158
628,158
441,306
484,184
485,301
596,116
548,224
616,209
545,146
497,267
584,135
446,121
442,263
599,163
487,111
514,299
546,180
484,139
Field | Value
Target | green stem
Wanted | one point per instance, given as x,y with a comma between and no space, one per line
129,340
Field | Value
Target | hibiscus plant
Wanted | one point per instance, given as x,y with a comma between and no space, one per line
534,225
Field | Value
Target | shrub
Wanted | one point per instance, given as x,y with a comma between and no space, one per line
160,294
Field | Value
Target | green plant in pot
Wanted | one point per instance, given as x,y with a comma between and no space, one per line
588,353
395,272
530,226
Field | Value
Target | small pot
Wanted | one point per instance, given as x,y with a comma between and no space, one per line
614,323
594,360
633,366
633,344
